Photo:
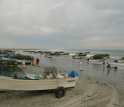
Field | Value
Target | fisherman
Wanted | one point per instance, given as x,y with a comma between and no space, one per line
103,62
108,66
88,61
33,61
115,68
23,64
37,61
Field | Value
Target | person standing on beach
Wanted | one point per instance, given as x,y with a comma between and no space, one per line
88,61
108,68
103,62
23,64
37,61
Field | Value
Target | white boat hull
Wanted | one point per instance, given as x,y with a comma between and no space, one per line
28,85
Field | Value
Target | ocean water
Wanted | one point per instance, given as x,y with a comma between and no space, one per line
114,53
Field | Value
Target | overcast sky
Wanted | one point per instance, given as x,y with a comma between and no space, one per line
64,24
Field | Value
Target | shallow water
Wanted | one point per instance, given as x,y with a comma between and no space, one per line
97,71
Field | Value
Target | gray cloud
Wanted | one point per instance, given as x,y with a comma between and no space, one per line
62,23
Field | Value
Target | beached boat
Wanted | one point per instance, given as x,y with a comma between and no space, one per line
45,84
58,84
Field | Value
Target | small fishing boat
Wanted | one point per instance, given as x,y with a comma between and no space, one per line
58,83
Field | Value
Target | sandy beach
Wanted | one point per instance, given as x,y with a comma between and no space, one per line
87,93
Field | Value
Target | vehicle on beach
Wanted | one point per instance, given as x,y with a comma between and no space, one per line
49,81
